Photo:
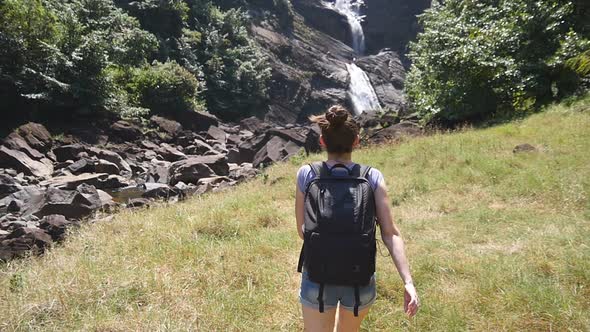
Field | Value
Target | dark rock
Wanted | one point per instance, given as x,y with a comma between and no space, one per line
24,201
125,130
21,162
194,168
250,146
392,23
158,172
233,155
396,132
200,148
253,124
76,151
217,134
158,190
215,181
275,150
234,139
55,225
8,185
98,180
72,204
197,120
36,135
103,166
296,135
168,126
387,75
243,172
312,140
325,19
16,142
169,153
138,203
526,147
24,240
80,166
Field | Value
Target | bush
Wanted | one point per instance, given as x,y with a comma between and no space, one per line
478,59
164,88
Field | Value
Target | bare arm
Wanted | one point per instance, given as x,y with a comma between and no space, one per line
392,239
299,210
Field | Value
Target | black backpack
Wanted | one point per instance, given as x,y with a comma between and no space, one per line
339,231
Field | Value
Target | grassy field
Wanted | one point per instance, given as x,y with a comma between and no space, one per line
496,240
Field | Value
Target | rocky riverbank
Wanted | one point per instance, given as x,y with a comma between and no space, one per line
48,183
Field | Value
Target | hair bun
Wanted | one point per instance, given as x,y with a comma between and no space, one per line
337,116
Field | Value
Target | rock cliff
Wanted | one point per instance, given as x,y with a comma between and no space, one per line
309,58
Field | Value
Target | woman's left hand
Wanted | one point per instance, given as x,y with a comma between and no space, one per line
411,301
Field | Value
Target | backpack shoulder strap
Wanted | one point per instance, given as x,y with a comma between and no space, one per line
319,168
364,171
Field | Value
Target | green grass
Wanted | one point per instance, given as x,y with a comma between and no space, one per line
497,241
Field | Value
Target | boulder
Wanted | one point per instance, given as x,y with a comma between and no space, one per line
21,162
253,124
8,185
312,140
170,153
126,131
158,172
16,142
196,120
24,240
138,203
72,204
98,180
275,150
170,127
158,190
55,225
25,201
250,147
217,134
243,172
194,168
36,135
200,147
75,151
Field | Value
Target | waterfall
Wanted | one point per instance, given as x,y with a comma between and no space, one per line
360,91
351,10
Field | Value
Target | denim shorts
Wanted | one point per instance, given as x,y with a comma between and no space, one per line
309,291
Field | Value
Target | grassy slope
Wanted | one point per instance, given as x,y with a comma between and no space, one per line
497,241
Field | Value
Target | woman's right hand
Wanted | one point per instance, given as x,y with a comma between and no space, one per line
411,301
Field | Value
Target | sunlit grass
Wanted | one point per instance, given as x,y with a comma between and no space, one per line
497,241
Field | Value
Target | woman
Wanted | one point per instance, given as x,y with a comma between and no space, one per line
339,134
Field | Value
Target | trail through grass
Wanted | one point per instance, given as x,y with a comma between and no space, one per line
496,240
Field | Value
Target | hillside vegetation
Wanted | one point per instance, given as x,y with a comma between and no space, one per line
497,241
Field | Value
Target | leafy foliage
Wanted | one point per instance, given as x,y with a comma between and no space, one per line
88,56
476,59
164,88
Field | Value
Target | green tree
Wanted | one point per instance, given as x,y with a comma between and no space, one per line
476,59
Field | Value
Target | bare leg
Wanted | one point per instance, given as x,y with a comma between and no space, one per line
315,321
347,322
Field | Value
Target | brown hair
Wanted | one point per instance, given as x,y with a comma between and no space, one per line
338,129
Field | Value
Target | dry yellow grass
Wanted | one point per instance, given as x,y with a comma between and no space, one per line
497,241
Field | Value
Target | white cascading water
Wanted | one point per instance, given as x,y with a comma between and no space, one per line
351,9
361,92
